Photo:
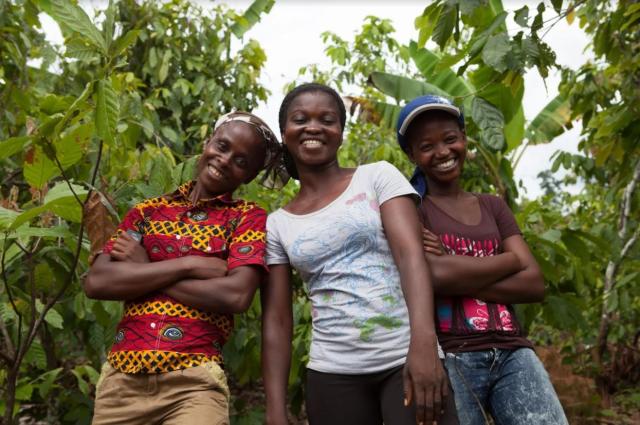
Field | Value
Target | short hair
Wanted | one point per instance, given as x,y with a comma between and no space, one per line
310,88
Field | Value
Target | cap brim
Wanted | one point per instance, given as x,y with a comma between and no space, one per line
429,107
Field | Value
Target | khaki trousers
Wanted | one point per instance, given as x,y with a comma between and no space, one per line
195,396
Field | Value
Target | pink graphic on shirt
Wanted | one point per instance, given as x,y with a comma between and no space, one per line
476,312
361,197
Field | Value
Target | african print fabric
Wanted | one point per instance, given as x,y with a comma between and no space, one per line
157,333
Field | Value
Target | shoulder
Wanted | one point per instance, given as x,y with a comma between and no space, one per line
378,167
493,201
152,203
247,208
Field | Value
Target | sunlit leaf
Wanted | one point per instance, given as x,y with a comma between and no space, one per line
490,121
251,16
71,16
107,110
13,145
550,122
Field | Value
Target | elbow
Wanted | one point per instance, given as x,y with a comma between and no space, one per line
241,302
536,285
93,288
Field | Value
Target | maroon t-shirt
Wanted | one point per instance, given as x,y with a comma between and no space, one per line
465,323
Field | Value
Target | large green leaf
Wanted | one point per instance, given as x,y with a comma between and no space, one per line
7,217
446,22
251,17
38,168
490,121
403,88
60,200
446,79
12,146
495,51
71,16
550,122
123,42
514,130
107,110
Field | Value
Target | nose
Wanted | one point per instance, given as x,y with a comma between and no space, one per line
443,150
223,159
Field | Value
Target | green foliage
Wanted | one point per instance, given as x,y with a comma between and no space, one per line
124,115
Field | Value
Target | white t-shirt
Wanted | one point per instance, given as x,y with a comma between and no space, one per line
360,319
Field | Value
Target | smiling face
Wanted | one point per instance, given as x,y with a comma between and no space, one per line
437,146
312,130
234,155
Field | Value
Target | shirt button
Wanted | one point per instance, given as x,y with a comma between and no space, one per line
153,325
208,248
178,237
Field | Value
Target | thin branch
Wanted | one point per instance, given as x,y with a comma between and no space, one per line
64,176
5,334
38,322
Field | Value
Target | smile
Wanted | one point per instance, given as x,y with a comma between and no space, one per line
312,143
215,172
447,165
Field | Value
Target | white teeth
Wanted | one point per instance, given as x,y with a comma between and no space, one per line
215,172
312,143
445,165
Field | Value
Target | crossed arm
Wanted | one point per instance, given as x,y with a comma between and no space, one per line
424,379
512,277
199,282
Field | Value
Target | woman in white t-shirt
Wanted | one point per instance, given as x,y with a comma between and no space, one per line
374,355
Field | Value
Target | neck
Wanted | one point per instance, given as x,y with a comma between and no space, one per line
319,178
450,189
198,193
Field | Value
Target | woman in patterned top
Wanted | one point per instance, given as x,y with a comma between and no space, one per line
184,263
481,265
374,354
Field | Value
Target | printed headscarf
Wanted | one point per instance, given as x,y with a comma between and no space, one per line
275,174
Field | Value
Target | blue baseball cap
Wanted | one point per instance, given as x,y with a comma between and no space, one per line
419,105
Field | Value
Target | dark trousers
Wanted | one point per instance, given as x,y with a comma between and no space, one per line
371,399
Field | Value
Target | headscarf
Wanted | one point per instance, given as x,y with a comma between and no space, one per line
275,174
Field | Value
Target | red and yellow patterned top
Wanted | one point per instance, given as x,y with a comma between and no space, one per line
157,333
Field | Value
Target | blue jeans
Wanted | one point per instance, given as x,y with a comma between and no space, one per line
511,386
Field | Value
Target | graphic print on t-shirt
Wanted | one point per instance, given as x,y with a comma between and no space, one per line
476,312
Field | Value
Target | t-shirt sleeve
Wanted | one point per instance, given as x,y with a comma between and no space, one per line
133,220
390,183
248,241
507,225
276,254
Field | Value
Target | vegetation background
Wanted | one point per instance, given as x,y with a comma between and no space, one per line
119,112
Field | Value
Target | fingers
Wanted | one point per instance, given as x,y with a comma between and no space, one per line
437,403
406,386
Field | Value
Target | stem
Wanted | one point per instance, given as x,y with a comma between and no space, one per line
12,375
614,264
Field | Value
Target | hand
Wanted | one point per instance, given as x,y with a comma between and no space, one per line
431,243
206,267
425,382
126,248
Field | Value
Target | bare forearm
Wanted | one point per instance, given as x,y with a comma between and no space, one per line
464,275
277,333
227,294
121,280
523,287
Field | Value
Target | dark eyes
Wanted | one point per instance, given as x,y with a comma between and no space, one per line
301,119
241,161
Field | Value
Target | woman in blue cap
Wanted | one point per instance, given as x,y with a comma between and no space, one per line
373,356
481,266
